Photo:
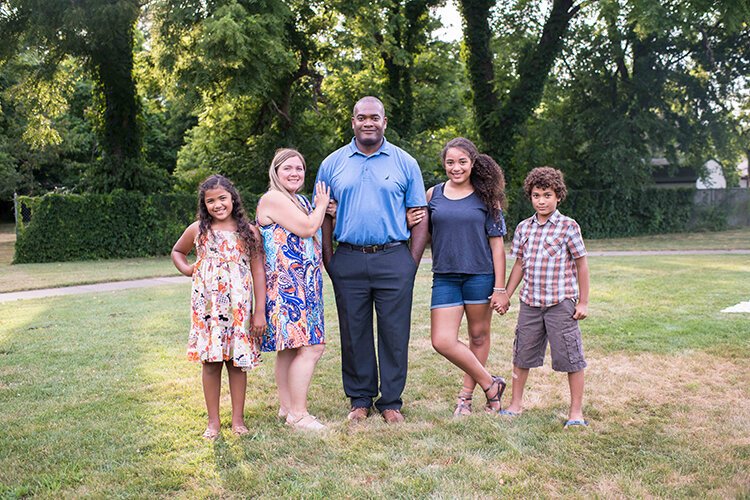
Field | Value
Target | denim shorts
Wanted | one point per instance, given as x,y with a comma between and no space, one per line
457,289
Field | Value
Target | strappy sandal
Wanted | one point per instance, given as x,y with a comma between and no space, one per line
463,405
500,381
210,434
240,430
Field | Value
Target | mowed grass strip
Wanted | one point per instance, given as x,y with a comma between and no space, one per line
20,277
735,239
98,400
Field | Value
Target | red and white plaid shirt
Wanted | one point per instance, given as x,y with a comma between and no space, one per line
548,252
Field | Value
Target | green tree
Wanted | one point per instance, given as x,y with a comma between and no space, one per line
99,33
47,127
500,118
393,33
644,79
279,96
248,71
421,80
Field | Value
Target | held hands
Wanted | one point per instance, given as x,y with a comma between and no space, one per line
414,216
322,195
581,312
499,301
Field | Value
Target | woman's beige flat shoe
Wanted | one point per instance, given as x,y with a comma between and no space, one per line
304,422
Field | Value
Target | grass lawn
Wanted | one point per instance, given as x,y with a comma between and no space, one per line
19,277
98,400
736,239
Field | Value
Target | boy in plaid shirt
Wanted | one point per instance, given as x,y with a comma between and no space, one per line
551,260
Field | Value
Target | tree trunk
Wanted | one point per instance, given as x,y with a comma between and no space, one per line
478,35
500,122
409,19
112,60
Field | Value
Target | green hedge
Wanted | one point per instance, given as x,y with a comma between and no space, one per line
621,213
121,224
126,224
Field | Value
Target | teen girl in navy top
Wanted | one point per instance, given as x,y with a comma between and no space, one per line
468,264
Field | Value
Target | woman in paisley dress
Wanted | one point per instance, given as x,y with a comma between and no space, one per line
290,229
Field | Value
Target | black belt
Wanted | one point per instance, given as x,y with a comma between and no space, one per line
371,248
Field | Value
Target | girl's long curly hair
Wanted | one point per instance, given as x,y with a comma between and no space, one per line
487,177
216,181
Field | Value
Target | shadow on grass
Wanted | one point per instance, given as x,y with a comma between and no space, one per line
71,398
98,400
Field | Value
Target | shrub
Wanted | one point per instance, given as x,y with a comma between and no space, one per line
61,227
121,224
101,226
618,213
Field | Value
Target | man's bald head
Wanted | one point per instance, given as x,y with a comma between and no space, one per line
369,124
371,101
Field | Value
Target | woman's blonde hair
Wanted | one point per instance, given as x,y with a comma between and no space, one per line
274,183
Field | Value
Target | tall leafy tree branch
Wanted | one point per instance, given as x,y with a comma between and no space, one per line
399,36
500,118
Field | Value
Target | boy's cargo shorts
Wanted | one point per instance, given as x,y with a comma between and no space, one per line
537,325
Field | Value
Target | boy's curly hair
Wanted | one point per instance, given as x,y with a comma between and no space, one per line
546,178
250,243
486,175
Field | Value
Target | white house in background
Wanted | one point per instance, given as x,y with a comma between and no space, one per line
742,167
671,177
667,176
714,177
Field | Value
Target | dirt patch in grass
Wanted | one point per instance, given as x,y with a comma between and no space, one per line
687,411
698,394
656,420
698,384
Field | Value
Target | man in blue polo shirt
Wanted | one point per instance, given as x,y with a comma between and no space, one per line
374,182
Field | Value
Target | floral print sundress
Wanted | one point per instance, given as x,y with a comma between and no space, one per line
222,302
294,288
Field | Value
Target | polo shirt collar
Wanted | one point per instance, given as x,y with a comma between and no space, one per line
554,218
384,148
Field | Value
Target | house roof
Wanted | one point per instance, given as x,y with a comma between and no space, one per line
663,173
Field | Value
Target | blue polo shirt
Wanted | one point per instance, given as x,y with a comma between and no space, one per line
372,192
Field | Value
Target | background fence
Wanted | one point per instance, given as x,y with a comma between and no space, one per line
732,205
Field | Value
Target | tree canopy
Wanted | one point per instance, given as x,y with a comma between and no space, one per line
154,95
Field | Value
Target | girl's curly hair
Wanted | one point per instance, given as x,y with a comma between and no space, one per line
546,178
216,181
486,175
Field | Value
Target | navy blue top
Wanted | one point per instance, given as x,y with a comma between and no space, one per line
373,192
460,231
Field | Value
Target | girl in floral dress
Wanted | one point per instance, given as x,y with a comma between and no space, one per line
294,296
227,274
